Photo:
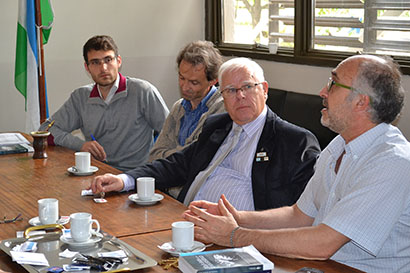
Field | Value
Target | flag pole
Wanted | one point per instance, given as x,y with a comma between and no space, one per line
40,71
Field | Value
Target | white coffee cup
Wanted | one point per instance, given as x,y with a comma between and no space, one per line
273,48
81,226
48,211
82,161
145,188
183,235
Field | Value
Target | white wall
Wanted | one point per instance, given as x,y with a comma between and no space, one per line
149,35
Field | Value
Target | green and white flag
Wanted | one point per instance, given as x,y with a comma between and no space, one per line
27,57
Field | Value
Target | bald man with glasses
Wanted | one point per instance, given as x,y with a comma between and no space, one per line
249,154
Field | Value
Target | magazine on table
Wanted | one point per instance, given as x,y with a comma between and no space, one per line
11,143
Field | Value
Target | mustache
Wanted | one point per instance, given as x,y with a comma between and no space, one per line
324,103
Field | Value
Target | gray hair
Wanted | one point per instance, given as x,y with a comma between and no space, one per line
380,79
202,52
236,64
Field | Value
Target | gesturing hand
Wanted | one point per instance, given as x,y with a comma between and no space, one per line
214,222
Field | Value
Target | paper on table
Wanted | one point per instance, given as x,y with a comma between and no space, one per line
29,258
67,254
12,138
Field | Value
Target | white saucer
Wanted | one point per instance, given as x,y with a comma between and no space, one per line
157,197
70,241
167,247
35,221
74,171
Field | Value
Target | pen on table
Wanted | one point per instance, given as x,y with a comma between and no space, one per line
51,124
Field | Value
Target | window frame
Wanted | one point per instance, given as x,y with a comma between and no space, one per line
300,54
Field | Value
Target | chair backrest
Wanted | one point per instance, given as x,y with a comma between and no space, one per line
302,110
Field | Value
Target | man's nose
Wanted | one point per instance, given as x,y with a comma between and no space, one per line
323,93
240,93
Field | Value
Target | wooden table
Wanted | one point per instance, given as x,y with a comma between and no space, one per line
24,180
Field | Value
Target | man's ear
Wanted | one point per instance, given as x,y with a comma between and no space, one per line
86,67
213,82
119,61
362,102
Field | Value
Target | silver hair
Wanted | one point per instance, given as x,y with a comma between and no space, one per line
380,79
236,64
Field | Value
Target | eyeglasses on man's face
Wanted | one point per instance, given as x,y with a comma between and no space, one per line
105,60
331,82
246,88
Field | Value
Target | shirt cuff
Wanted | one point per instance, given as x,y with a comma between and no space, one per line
129,182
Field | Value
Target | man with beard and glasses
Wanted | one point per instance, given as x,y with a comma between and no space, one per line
117,115
356,207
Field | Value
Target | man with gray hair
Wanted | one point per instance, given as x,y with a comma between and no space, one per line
356,207
257,159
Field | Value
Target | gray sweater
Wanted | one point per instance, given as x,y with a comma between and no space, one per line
124,127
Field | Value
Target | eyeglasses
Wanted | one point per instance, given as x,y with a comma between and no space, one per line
98,62
246,88
331,82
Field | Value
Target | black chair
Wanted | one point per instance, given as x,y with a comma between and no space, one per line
302,110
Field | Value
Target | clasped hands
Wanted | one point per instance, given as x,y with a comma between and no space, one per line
214,221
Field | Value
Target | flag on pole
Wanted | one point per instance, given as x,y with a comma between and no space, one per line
27,57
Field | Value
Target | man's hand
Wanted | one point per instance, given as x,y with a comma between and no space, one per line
106,183
213,208
94,148
215,223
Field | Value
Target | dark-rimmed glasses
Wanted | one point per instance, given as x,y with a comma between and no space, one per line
98,62
246,88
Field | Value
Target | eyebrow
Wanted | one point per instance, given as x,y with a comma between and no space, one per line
334,74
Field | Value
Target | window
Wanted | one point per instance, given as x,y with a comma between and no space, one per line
319,32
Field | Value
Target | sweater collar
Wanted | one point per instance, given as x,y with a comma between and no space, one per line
122,86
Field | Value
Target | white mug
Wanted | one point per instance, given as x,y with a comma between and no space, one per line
48,211
183,235
80,226
273,48
82,161
145,188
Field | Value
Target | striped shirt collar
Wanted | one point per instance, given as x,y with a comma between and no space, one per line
360,144
253,126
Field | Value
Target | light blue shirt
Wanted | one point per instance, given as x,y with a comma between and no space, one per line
233,177
190,120
368,200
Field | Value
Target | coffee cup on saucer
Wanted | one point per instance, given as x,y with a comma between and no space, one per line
183,235
82,161
145,188
48,211
81,226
